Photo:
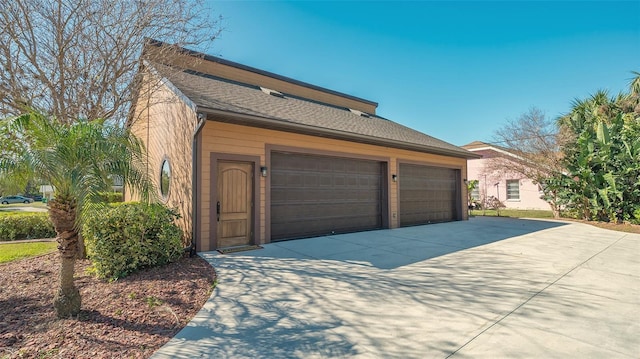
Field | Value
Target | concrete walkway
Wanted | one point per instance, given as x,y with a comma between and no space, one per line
483,288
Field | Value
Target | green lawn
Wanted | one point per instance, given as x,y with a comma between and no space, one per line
514,213
34,204
8,209
12,251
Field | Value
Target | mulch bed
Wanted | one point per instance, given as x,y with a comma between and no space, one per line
128,318
620,227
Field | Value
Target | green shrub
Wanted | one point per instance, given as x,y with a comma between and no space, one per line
112,197
131,236
15,226
636,216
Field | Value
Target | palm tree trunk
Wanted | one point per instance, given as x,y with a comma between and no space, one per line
67,299
82,249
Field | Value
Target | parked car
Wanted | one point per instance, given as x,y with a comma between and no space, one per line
35,197
15,199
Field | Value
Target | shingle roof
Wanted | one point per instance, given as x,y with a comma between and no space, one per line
475,145
483,147
249,102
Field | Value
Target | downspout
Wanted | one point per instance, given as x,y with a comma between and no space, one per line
194,183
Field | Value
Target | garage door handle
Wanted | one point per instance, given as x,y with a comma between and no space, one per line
218,210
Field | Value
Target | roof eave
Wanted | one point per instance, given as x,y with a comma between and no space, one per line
495,149
283,125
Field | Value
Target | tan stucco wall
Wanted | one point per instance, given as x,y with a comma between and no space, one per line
219,137
165,124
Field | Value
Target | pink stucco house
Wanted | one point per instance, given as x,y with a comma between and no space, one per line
511,189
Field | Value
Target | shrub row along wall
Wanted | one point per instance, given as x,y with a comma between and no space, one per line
16,226
120,239
131,236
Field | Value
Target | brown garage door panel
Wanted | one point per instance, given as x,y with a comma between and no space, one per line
317,195
428,194
338,196
321,226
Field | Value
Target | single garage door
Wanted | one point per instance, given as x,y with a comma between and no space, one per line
428,194
315,195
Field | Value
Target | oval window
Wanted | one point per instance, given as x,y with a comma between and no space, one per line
165,178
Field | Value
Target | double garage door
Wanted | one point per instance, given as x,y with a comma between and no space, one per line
315,195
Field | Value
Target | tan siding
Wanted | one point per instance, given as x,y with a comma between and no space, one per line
165,124
228,138
393,194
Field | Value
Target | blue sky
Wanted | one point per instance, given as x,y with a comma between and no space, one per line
454,70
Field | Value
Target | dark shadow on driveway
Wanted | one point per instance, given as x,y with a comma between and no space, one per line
328,297
279,302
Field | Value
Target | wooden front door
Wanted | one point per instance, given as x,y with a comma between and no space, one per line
234,205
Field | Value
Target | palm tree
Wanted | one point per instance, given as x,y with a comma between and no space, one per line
601,151
79,161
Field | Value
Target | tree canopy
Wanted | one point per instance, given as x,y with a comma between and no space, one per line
534,144
79,59
79,160
587,161
602,156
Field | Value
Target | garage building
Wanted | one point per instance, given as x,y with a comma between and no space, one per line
251,157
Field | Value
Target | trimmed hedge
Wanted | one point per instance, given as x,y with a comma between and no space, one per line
29,225
130,236
112,197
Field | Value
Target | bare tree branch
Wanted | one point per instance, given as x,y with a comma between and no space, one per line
532,144
79,59
531,149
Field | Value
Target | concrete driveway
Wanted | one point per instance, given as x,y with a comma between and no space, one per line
483,288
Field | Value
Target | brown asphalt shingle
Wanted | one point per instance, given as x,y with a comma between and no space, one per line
210,92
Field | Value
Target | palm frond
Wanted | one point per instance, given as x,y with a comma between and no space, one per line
79,160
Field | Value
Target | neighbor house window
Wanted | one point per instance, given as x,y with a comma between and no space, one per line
513,189
165,178
475,193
